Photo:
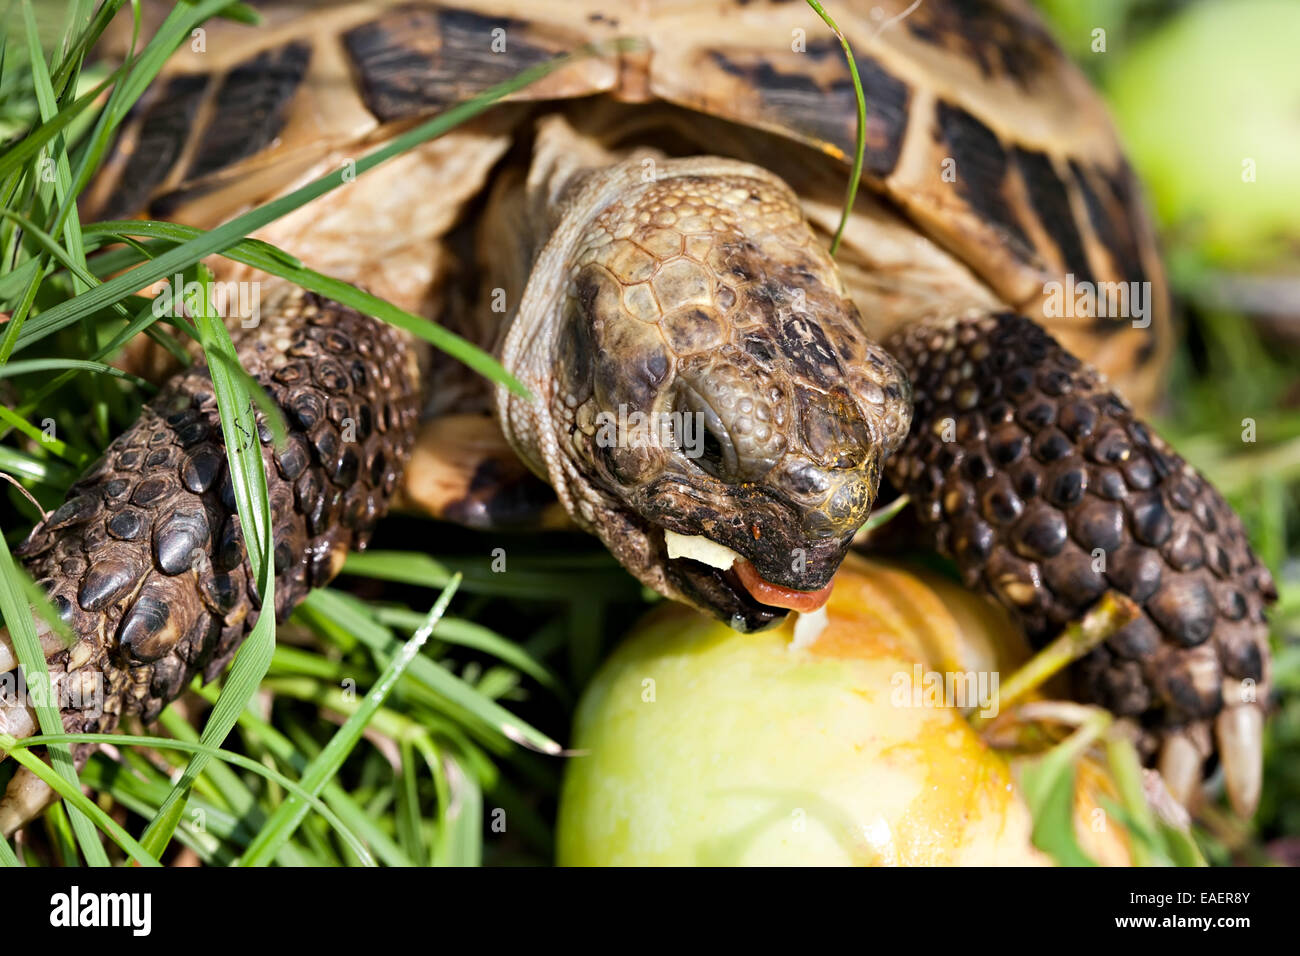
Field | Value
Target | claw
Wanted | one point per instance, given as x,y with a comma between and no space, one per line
1169,810
16,720
51,643
27,794
24,799
1240,733
1180,766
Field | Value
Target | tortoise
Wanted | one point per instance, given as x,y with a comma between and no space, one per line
642,236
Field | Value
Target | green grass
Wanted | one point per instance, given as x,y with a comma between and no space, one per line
446,717
411,713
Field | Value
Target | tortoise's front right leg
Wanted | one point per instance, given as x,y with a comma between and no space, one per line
1037,479
145,561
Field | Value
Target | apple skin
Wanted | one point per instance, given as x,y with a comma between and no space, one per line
703,746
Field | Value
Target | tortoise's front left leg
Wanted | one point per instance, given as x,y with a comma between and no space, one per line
1037,479
145,561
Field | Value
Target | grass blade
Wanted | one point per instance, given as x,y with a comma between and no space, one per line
221,238
198,749
277,262
326,765
27,366
76,801
22,630
437,680
248,477
338,799
860,149
462,837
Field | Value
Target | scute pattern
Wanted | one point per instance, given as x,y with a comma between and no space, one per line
981,163
1038,480
1004,39
166,120
812,92
1107,194
145,560
421,57
250,107
1040,187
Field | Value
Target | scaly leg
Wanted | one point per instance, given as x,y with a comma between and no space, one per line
145,561
1036,478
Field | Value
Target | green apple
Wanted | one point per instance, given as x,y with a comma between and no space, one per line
1209,106
699,745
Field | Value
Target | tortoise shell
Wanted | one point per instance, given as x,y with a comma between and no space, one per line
980,132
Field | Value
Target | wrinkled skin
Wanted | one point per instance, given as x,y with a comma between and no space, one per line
702,302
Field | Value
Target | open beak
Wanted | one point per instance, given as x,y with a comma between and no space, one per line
774,595
742,574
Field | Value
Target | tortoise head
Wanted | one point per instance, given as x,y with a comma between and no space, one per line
714,381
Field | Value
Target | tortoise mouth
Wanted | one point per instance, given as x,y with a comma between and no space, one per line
721,593
781,563
737,594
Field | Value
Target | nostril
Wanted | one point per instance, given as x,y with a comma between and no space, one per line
818,525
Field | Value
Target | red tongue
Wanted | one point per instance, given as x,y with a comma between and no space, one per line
765,592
